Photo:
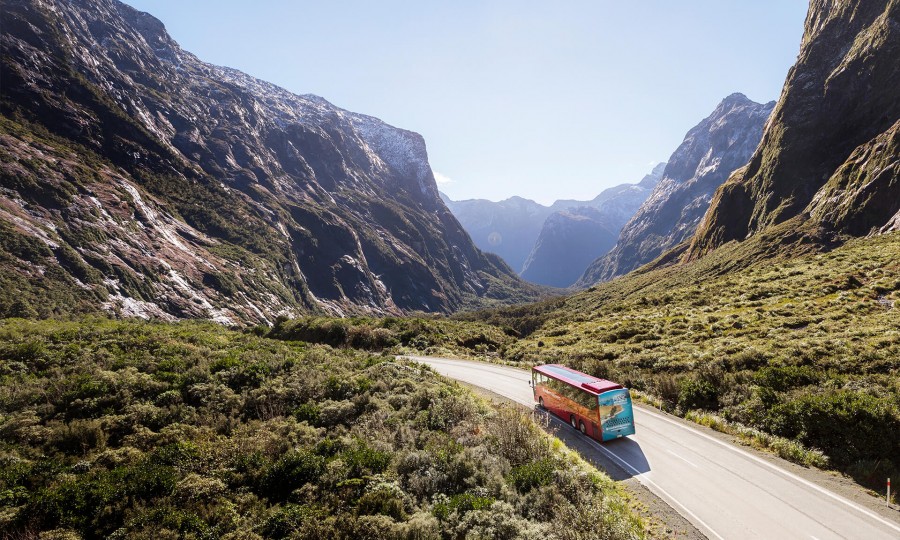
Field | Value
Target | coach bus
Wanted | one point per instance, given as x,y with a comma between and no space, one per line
599,408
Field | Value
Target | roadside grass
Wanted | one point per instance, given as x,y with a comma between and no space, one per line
783,448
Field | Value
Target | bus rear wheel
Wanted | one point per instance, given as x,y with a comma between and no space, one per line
582,428
572,421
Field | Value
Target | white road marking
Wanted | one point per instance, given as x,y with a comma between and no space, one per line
778,469
683,459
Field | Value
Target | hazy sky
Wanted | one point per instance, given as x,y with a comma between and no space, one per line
540,99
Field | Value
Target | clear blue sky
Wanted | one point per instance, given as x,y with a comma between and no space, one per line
540,99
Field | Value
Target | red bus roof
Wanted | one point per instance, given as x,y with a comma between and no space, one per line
594,385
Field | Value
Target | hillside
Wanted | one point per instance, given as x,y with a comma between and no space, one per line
138,180
805,347
710,152
210,433
828,159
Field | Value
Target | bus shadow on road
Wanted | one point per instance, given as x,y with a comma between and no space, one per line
621,459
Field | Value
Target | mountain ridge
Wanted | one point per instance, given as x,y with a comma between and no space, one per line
711,150
511,227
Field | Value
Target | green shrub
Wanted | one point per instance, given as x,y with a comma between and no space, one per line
782,378
857,423
528,476
383,502
290,472
696,392
361,459
308,412
461,503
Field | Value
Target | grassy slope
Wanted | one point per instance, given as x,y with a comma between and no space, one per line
805,347
190,430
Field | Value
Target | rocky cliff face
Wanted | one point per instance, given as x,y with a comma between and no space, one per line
569,241
712,150
138,178
828,158
510,228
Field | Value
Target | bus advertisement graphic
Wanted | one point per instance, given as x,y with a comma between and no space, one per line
616,416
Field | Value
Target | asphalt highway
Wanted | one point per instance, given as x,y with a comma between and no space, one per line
724,490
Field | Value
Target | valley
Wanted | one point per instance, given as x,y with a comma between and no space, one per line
228,310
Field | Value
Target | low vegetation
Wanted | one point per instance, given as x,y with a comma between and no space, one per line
799,354
426,334
143,430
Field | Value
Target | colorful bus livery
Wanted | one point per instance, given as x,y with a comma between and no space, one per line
599,408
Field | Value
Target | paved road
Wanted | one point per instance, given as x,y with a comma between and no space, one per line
723,490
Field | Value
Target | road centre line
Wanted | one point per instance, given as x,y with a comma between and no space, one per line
683,459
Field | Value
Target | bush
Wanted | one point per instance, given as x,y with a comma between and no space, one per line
854,422
461,503
697,393
290,472
361,459
531,475
383,502
782,378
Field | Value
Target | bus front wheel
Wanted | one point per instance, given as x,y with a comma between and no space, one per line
572,421
541,402
582,428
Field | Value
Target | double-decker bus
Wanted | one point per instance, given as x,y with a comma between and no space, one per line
601,409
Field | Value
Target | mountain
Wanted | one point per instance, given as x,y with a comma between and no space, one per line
710,152
142,181
507,228
569,241
511,227
827,166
